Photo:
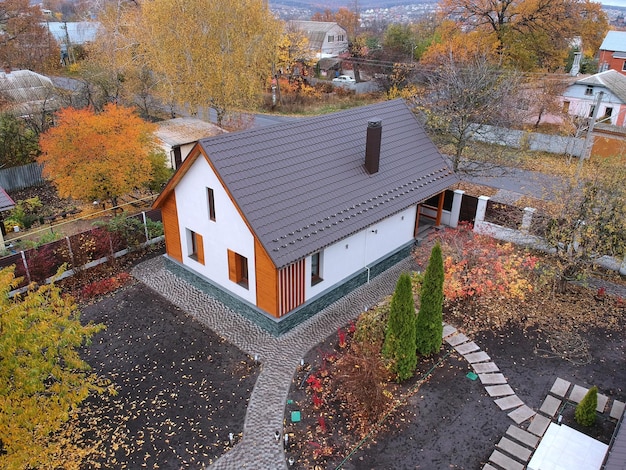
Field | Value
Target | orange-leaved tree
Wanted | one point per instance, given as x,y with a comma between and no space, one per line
102,156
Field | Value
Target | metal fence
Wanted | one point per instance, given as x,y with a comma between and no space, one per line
81,251
20,177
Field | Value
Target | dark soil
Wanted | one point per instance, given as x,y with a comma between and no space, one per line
181,389
449,421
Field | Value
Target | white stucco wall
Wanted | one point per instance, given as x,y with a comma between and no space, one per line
360,250
228,231
580,103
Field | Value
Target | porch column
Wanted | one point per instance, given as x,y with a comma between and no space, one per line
481,209
527,219
455,213
622,268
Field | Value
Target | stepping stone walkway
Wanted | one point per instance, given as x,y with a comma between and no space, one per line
514,450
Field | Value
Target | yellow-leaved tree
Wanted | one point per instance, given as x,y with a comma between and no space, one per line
42,377
208,54
98,156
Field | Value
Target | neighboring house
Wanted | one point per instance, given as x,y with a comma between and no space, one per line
613,52
579,99
27,94
71,34
178,136
326,39
279,222
6,204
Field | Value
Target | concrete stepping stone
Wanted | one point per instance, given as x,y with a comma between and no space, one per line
602,401
578,393
466,348
522,414
507,463
480,356
560,387
539,424
514,449
457,339
492,379
448,330
506,403
550,406
483,367
617,410
522,436
499,390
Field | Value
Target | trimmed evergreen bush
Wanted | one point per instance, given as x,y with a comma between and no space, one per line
399,345
585,414
429,329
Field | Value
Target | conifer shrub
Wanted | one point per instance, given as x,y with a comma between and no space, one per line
399,344
429,327
585,414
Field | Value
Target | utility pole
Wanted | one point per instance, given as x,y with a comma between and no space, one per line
586,152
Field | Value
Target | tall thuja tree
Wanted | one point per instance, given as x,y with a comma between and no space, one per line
399,344
429,332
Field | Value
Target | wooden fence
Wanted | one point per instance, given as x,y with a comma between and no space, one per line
20,177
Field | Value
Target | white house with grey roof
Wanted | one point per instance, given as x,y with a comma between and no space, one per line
326,39
278,222
580,97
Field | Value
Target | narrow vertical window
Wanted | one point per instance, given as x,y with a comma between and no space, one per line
316,268
211,203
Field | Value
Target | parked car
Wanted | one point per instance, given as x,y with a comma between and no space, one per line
344,80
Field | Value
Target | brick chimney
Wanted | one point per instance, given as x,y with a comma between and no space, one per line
372,145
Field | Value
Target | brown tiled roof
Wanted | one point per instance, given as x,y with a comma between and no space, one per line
303,186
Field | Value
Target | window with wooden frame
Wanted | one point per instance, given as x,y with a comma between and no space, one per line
195,246
316,268
331,38
211,203
238,268
589,90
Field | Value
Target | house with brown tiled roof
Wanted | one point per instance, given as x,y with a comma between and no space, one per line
279,222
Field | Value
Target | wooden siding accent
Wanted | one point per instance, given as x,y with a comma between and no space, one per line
199,248
291,287
440,208
266,280
417,220
169,213
232,265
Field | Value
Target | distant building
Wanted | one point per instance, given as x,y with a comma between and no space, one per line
613,52
326,39
178,136
580,98
27,94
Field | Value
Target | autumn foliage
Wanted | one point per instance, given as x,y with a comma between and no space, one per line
91,156
42,377
480,270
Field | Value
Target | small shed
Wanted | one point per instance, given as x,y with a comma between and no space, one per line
6,204
177,137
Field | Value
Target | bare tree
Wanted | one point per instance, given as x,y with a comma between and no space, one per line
462,98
